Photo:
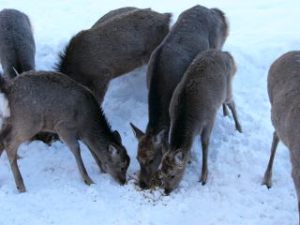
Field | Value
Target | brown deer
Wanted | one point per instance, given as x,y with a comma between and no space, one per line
112,48
206,85
197,29
17,50
284,95
52,102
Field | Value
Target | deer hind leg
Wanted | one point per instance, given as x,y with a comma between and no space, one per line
189,159
232,108
11,150
68,137
205,142
268,174
295,159
1,148
100,86
225,110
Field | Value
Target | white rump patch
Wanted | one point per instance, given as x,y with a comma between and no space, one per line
4,109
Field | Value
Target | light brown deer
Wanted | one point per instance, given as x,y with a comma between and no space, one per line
284,95
206,85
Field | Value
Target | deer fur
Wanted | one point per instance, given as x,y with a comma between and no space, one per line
206,85
17,47
52,102
197,29
95,56
112,14
284,95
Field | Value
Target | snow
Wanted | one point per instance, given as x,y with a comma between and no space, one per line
260,31
4,108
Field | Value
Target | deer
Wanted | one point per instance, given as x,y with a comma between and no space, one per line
17,46
112,48
17,50
284,96
204,88
52,102
196,29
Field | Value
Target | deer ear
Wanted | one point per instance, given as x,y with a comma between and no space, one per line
157,139
137,132
117,136
179,157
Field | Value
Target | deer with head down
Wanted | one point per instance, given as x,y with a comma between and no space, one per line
17,50
114,46
197,29
206,85
284,95
17,47
52,102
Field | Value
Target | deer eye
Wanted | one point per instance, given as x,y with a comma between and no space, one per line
172,177
151,161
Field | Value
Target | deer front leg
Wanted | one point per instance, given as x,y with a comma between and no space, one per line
225,110
70,140
205,142
295,159
98,162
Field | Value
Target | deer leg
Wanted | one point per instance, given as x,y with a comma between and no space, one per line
295,159
205,142
232,108
189,159
70,140
1,148
98,162
268,174
99,87
11,151
225,110
90,143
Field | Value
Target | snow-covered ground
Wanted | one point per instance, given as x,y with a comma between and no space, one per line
260,32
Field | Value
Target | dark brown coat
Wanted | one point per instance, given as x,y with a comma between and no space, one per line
95,56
